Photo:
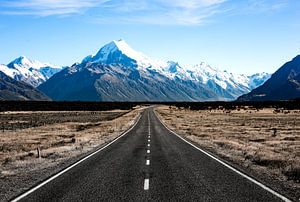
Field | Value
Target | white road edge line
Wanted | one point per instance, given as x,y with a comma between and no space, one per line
148,162
228,166
73,165
146,184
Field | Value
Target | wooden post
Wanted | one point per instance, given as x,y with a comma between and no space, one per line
39,152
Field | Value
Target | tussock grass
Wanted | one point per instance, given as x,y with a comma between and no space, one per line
57,141
265,141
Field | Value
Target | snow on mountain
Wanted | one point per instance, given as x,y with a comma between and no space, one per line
8,71
118,51
228,85
119,61
10,89
32,72
258,79
231,82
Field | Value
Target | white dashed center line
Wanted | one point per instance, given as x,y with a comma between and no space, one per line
146,184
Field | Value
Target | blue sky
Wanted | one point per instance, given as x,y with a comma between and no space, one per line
242,36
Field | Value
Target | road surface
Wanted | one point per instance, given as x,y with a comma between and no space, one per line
149,163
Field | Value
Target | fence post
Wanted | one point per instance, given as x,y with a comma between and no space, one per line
39,152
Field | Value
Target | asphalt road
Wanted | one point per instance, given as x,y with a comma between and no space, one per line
150,163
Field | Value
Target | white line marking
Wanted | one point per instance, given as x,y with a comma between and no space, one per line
148,122
148,162
146,184
148,145
228,166
73,165
148,140
148,151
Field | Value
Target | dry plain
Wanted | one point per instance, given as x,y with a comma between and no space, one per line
263,143
35,145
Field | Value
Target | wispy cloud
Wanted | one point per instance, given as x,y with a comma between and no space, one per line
263,6
46,7
164,12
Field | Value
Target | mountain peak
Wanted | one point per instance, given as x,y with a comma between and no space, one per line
122,46
26,62
29,63
21,60
30,71
118,51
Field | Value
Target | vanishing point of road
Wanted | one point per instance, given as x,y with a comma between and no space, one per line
149,163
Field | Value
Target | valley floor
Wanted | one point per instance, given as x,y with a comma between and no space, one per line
263,143
60,137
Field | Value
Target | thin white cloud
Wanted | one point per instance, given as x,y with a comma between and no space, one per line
162,12
46,7
190,12
192,4
263,6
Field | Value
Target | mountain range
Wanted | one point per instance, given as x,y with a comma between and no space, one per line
284,84
29,71
11,89
119,73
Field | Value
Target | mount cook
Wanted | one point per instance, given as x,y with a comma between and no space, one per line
119,73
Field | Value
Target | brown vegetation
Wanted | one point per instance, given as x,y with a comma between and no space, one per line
51,141
264,142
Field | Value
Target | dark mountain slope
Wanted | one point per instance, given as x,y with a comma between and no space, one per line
100,82
283,84
11,89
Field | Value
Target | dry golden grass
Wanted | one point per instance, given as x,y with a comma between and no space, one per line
264,141
57,143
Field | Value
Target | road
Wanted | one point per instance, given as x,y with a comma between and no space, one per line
149,163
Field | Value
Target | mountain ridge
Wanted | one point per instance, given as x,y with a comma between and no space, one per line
283,84
30,71
119,51
115,57
11,89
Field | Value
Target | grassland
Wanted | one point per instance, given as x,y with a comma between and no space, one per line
264,143
34,145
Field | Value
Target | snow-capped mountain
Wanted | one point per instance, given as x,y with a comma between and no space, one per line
32,72
226,85
10,89
232,85
102,82
119,73
258,79
119,52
